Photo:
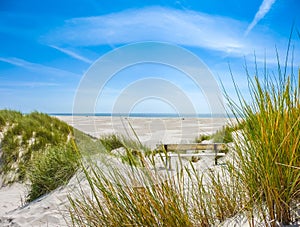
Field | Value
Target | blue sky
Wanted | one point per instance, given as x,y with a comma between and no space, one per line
47,46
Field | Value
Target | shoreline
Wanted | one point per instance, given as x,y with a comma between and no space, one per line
144,115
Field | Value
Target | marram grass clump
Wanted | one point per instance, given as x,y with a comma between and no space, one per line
181,199
51,169
133,151
26,135
268,148
38,149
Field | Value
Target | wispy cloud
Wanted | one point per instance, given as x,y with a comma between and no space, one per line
152,23
181,27
28,84
42,69
263,10
72,54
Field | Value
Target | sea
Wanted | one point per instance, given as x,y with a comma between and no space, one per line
146,115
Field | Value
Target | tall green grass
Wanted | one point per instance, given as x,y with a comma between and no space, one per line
268,147
260,182
163,200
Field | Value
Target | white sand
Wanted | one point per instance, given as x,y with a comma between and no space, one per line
48,210
151,131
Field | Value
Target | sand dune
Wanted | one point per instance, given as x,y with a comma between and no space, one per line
51,209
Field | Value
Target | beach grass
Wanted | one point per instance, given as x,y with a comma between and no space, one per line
26,135
223,135
38,149
133,153
51,169
260,182
268,147
171,200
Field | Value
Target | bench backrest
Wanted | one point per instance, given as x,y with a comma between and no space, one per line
195,146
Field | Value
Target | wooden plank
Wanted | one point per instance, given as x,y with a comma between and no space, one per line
196,155
172,155
195,146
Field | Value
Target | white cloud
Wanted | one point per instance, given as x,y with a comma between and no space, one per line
72,54
154,23
220,35
28,84
42,69
182,27
263,10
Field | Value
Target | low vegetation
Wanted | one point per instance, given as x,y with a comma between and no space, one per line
51,169
38,148
163,201
26,135
133,151
44,151
224,135
111,142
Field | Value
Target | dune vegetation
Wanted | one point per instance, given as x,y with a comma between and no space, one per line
26,135
45,152
223,135
268,148
259,184
37,149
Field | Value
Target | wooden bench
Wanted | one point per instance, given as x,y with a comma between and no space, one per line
216,147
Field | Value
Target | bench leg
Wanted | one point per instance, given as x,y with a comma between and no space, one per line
216,159
168,162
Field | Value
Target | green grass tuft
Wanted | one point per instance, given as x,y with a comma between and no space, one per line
25,136
135,151
51,169
111,142
38,148
202,137
223,135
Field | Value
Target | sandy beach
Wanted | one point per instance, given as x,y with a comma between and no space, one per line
48,210
151,131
